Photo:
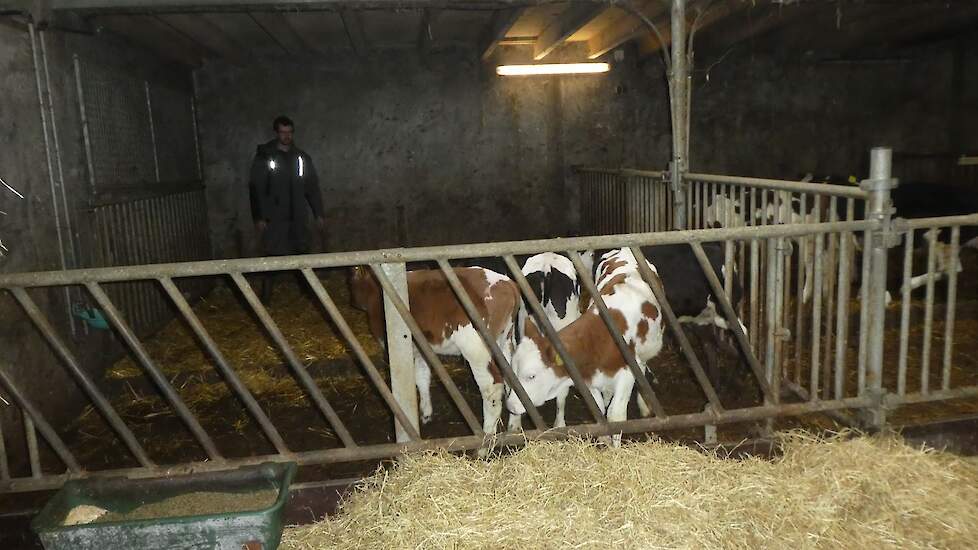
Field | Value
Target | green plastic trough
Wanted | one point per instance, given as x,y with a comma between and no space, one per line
251,530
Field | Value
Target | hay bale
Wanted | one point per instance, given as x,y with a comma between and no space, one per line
867,492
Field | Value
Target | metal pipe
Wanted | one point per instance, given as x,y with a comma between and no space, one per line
339,259
830,294
732,320
502,363
152,131
814,367
34,457
644,388
234,382
904,313
655,284
842,314
864,314
193,114
84,123
783,185
542,321
754,294
373,452
771,317
943,395
803,256
429,354
283,345
81,377
33,415
928,311
152,371
952,302
351,339
878,185
4,465
678,96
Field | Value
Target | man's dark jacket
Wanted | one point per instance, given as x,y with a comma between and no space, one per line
281,184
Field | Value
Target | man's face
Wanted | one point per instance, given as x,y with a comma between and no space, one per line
284,135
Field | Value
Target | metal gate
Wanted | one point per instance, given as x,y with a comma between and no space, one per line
848,374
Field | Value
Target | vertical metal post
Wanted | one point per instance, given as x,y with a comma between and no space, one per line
4,465
84,123
678,85
400,351
878,186
193,113
152,131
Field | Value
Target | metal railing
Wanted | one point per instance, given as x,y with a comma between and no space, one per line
828,374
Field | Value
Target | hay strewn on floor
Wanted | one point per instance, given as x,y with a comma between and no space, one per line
838,493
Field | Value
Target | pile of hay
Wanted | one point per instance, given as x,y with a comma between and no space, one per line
834,493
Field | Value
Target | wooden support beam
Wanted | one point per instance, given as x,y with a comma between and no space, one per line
207,34
279,29
625,28
566,24
495,33
353,22
154,35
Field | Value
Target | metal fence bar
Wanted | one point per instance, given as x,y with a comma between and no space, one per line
732,319
754,295
351,339
548,329
782,185
677,330
502,363
81,377
345,259
231,377
830,294
429,354
952,302
283,345
373,452
4,464
842,314
33,416
928,311
33,454
152,371
814,366
864,313
771,317
804,279
644,388
904,312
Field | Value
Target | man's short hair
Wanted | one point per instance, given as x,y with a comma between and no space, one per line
282,121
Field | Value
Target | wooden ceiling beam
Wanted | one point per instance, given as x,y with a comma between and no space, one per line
207,34
281,32
625,28
566,24
353,22
494,34
156,36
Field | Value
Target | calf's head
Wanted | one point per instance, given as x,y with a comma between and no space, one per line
538,368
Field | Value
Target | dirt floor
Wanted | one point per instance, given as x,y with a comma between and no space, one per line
327,357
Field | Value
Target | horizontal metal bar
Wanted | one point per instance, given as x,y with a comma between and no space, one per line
342,259
374,452
943,395
944,221
622,172
783,185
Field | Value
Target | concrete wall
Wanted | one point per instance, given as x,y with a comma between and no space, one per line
29,227
776,115
415,151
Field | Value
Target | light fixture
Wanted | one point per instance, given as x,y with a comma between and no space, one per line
552,68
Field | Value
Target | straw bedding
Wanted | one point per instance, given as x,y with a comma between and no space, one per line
840,492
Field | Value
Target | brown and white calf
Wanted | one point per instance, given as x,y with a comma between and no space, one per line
635,312
448,329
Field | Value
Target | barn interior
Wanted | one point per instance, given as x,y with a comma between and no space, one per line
129,128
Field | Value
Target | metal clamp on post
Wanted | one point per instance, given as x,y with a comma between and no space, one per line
888,236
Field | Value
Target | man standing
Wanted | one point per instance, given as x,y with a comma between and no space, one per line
283,180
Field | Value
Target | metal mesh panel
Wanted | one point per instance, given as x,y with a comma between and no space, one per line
174,126
164,229
118,120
